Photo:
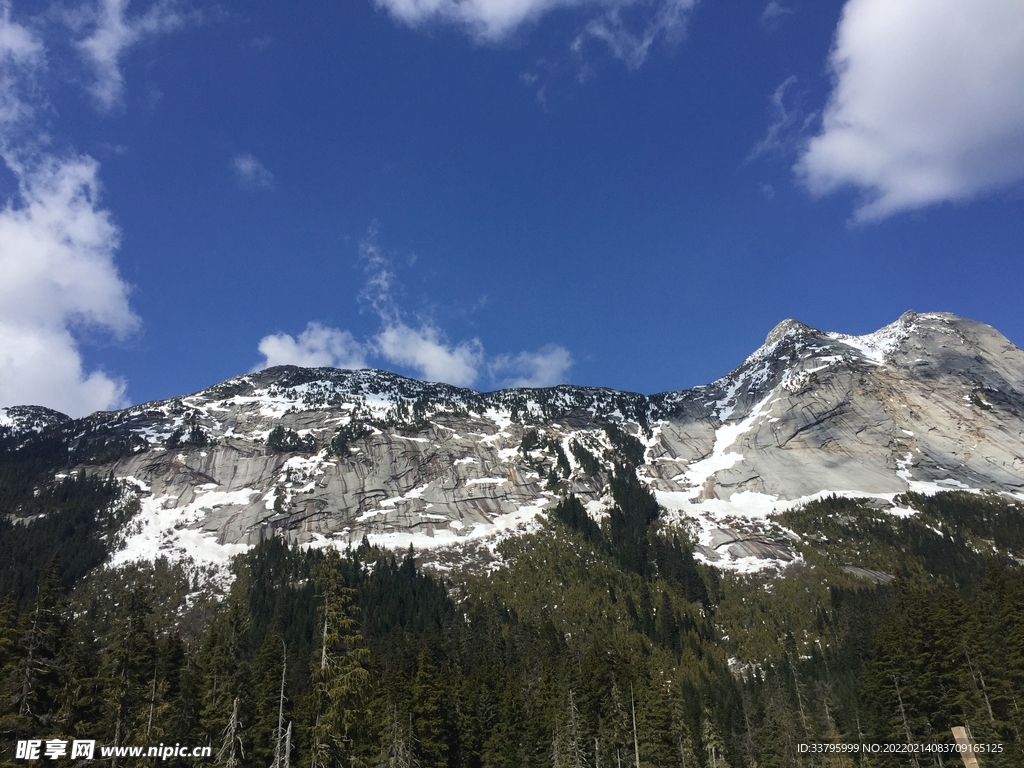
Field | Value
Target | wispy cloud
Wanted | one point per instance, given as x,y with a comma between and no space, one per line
416,344
631,42
628,27
774,12
57,248
927,106
21,55
252,174
787,129
111,32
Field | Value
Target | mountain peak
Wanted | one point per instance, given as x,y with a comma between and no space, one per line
788,327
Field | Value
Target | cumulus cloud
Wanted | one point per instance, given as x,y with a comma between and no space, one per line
113,32
57,258
42,365
927,105
316,347
546,367
420,346
252,174
426,350
57,249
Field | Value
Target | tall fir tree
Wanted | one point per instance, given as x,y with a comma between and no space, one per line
341,730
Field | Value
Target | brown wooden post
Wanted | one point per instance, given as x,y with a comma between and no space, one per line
966,743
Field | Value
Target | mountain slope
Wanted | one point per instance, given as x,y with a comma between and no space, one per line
322,456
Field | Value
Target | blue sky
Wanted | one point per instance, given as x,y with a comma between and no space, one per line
622,193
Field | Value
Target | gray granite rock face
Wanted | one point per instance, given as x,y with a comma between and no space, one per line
937,400
932,401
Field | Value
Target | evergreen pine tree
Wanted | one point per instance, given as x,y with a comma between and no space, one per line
713,743
35,682
127,670
430,717
341,728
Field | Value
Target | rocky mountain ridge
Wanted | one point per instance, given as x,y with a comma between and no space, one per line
326,457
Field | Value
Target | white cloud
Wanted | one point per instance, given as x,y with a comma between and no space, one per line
316,347
546,367
426,350
40,364
927,106
485,19
380,278
252,174
57,258
113,33
17,43
56,255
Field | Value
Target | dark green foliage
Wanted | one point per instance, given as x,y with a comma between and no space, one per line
286,440
946,540
345,436
587,461
631,537
69,519
978,399
628,447
31,692
27,464
562,461
986,521
195,437
531,440
174,440
630,520
571,512
676,565
341,731
433,728
395,598
105,444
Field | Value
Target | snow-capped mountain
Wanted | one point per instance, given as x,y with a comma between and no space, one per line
324,456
